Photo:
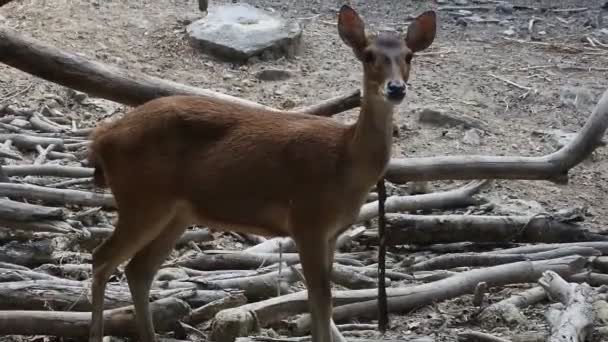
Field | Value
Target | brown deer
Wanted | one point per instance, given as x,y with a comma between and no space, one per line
182,160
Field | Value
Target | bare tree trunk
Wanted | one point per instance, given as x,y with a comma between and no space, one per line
432,229
166,314
116,84
553,167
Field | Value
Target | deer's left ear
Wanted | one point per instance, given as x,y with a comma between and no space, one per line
421,33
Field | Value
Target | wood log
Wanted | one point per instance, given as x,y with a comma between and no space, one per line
208,311
287,245
552,167
255,287
591,278
403,300
128,87
29,142
508,311
363,303
431,229
48,170
573,321
166,313
476,336
38,252
601,246
194,298
68,271
10,275
25,212
72,295
50,226
96,235
58,295
61,196
3,176
459,197
240,260
448,261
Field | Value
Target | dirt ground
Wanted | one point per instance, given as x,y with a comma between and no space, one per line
149,36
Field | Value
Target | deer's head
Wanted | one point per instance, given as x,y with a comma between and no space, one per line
386,56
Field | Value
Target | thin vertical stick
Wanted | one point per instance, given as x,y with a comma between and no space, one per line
382,301
280,269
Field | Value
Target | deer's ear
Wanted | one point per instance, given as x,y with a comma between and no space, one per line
352,29
421,33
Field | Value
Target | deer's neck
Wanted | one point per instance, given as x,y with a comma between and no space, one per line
373,137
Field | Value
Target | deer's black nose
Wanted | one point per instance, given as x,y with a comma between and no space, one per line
395,89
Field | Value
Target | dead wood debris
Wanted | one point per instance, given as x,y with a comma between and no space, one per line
45,278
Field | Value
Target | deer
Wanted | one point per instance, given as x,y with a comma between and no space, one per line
178,161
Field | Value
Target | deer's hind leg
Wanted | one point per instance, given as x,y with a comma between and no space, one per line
141,271
138,223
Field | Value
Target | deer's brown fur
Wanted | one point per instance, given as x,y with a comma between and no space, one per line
184,160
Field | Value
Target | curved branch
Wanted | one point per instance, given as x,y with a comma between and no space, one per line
127,87
553,167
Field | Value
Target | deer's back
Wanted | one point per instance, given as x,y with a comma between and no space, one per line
233,165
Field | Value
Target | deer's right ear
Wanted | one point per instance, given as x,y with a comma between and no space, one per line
352,29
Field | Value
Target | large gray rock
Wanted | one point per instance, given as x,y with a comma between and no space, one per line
237,32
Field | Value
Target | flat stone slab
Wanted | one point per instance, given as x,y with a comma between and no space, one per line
237,32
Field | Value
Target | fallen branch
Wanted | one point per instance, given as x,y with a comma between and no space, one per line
362,303
43,226
39,252
601,246
460,197
127,87
405,299
95,236
255,287
166,313
508,311
207,312
552,167
432,229
48,170
573,320
69,271
60,196
476,336
229,260
286,244
11,275
448,261
591,278
17,211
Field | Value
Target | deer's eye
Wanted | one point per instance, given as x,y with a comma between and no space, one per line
369,57
408,58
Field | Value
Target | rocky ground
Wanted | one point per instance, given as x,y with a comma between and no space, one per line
526,77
